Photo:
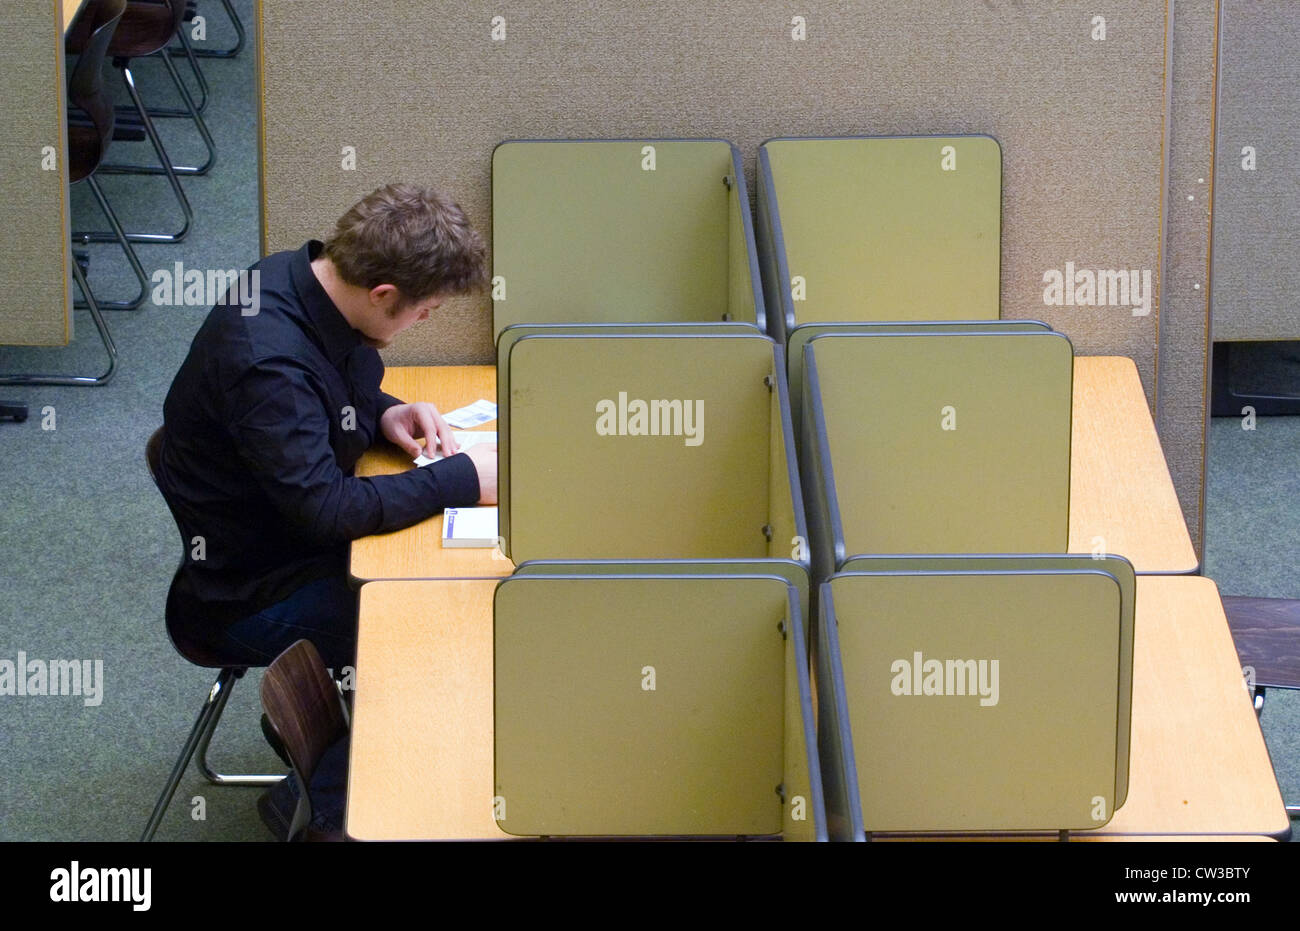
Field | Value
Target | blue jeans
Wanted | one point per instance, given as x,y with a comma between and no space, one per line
323,611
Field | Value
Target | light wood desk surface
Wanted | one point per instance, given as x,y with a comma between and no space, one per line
70,9
417,552
1120,489
421,755
1198,763
421,765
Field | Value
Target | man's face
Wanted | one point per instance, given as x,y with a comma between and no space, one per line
391,314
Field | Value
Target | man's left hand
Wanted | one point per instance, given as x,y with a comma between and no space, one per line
403,424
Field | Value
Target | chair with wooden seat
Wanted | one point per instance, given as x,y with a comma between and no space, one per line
89,137
85,150
1266,632
306,714
200,655
146,28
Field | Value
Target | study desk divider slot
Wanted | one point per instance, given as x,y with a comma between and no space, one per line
635,704
622,231
973,701
516,331
879,228
590,474
936,443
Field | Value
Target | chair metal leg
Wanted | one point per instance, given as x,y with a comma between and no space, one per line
200,737
166,169
202,80
203,726
223,52
74,380
221,779
195,114
189,112
131,258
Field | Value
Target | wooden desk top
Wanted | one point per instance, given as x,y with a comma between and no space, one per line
422,724
1120,489
70,9
417,552
1198,762
421,763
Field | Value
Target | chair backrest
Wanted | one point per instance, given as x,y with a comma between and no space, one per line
149,28
305,710
86,84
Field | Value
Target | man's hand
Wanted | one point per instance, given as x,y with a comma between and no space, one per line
484,457
403,424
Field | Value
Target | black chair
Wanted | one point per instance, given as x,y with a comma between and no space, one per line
215,702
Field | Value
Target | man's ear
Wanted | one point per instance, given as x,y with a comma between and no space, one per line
384,295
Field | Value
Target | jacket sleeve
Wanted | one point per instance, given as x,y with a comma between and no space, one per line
281,427
385,402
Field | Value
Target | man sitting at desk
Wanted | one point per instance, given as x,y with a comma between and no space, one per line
275,403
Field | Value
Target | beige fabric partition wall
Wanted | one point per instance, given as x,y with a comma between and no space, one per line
356,94
34,291
1257,181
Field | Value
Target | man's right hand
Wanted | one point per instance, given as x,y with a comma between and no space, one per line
484,457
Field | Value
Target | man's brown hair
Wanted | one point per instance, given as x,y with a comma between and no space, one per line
411,237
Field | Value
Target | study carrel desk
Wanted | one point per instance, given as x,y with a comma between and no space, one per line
1120,489
422,767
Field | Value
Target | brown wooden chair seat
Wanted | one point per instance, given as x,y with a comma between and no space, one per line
1267,634
306,713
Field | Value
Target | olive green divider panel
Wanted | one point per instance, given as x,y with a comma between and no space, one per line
944,443
639,447
507,338
640,706
35,296
981,702
586,231
786,569
1115,566
887,228
804,809
800,335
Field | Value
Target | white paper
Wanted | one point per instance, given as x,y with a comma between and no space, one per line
464,438
472,415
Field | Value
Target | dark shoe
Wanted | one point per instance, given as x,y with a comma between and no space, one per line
276,806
